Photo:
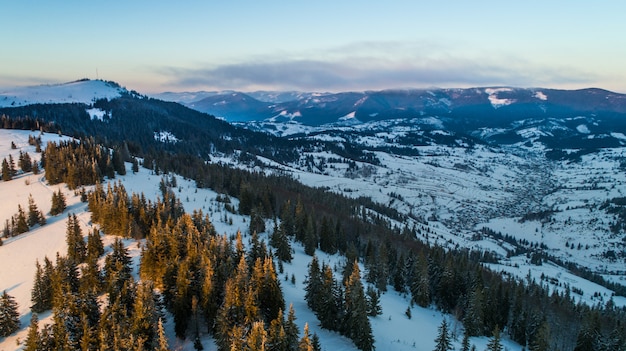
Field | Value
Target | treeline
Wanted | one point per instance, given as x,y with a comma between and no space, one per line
83,162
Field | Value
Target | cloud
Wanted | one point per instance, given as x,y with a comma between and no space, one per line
375,65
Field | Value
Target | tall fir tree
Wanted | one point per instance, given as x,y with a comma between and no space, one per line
291,330
41,294
21,223
76,248
58,203
34,215
9,315
356,323
33,338
6,171
495,344
443,342
305,344
12,168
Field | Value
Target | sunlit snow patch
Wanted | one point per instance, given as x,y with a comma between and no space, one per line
620,136
541,96
165,137
583,129
493,97
96,114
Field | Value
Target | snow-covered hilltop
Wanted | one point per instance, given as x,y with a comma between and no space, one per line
81,91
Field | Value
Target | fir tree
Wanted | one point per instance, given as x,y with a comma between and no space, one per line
95,248
276,336
373,302
34,215
12,168
313,285
24,162
76,249
257,338
443,341
161,344
465,344
291,330
280,241
21,224
9,315
305,343
541,339
495,344
33,338
35,167
41,294
135,166
6,171
58,203
310,239
356,324
315,341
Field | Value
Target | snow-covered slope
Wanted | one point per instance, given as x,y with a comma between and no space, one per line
82,91
392,330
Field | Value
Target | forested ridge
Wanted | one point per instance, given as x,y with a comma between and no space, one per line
198,274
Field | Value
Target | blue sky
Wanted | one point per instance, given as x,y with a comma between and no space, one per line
154,46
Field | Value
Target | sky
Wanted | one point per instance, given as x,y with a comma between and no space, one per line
156,46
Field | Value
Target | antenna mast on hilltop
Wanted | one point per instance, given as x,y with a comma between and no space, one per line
97,77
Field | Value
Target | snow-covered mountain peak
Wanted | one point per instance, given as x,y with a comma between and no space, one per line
81,91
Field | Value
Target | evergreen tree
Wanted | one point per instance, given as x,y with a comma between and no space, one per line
280,241
76,249
473,321
420,281
161,344
276,336
373,302
310,238
34,215
95,248
24,162
145,315
6,171
91,277
58,203
327,237
305,343
495,344
541,339
118,162
443,341
291,330
9,315
330,301
12,168
465,344
257,338
35,167
313,285
21,224
33,338
356,324
135,166
41,294
315,341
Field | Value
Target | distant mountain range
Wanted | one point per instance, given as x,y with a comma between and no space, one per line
498,105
